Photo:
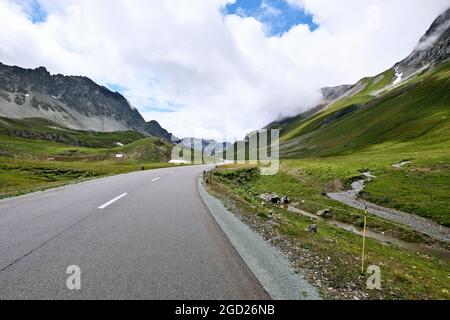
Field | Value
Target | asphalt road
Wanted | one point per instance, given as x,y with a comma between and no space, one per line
157,240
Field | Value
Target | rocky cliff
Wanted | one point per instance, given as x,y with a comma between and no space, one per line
71,101
433,48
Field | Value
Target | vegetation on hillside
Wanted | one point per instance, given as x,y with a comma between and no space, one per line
335,263
410,122
36,154
373,130
43,129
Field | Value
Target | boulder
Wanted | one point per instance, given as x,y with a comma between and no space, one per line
270,198
326,213
312,228
275,200
285,200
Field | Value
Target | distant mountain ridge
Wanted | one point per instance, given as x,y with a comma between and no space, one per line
71,101
432,50
154,129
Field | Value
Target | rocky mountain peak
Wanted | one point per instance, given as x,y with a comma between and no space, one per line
154,128
74,102
432,49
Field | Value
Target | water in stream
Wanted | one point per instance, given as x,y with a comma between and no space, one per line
384,239
413,221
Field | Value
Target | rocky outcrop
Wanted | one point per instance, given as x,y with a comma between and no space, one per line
433,48
71,101
153,128
330,94
75,102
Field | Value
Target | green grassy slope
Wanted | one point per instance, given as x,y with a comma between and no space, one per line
146,149
18,176
368,133
406,274
418,111
36,154
368,86
42,129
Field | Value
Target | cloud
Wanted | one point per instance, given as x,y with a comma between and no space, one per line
218,75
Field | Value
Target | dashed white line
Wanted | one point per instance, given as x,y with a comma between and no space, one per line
112,201
156,179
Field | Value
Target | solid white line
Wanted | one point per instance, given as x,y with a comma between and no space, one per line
112,201
156,179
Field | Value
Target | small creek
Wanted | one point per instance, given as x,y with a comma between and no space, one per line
413,221
384,239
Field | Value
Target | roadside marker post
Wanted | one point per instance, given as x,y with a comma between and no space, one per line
364,241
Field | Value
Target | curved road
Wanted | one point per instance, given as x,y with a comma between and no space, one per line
143,235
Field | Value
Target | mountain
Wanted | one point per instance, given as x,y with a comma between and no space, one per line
204,145
70,101
433,48
408,102
154,129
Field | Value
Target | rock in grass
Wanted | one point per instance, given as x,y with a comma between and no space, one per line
312,228
326,213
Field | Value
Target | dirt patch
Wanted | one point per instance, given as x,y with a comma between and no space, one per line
334,186
437,168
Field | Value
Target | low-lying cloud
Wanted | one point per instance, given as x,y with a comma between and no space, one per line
205,74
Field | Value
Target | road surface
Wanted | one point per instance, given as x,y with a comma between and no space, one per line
143,235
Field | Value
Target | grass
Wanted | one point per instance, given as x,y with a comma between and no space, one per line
42,129
405,275
23,176
360,133
417,111
147,149
369,85
410,122
30,159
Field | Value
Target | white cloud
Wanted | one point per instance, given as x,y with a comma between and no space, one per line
219,75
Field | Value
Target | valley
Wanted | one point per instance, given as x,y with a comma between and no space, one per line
369,159
387,137
37,154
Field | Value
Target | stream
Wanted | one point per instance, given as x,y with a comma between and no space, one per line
384,239
415,222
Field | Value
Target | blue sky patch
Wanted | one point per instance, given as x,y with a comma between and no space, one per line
116,88
162,106
277,16
35,12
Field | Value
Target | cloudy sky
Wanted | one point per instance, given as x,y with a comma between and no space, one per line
214,68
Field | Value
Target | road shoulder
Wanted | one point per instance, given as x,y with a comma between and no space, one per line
269,265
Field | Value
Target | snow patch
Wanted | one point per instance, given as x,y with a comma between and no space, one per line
179,162
399,76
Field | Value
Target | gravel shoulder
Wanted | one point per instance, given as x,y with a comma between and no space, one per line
268,264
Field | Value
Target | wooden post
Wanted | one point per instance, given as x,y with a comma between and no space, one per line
364,241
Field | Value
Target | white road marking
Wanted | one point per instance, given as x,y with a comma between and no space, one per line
156,179
112,201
